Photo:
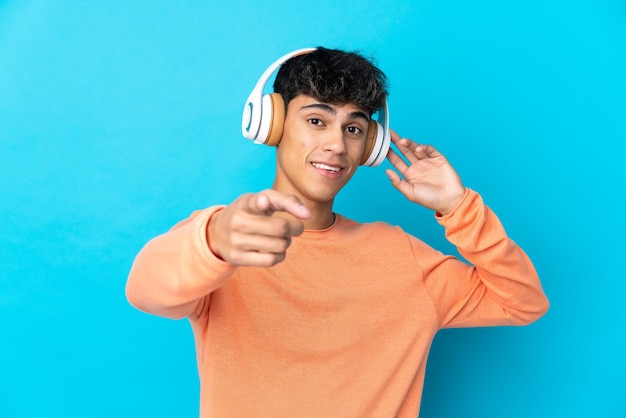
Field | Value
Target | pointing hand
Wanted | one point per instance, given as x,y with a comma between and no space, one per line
245,233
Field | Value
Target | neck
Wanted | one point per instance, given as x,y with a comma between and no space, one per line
320,218
322,215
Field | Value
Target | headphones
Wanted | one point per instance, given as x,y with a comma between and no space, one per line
264,116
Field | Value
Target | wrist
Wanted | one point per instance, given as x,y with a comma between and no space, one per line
451,204
211,234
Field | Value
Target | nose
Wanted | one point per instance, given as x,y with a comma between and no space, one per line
334,141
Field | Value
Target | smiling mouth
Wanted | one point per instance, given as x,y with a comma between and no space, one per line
327,167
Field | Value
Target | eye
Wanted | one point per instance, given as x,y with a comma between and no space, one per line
315,121
354,130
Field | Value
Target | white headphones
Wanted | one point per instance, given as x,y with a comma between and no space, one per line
264,116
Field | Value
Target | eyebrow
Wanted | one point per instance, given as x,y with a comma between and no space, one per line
331,110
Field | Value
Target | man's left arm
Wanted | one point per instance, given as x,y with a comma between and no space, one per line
501,286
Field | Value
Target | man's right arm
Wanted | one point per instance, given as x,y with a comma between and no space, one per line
175,271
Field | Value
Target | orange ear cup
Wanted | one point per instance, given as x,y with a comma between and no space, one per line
278,120
370,140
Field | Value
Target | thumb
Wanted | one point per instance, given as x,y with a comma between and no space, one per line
396,181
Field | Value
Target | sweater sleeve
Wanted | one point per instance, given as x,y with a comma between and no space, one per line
499,286
174,274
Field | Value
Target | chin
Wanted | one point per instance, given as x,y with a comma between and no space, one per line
321,198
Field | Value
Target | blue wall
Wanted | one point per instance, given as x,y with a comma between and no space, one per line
117,119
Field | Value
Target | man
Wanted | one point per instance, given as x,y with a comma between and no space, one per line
299,311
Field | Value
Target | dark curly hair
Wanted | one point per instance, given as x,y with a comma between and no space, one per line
333,76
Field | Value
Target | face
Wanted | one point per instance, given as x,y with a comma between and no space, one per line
320,150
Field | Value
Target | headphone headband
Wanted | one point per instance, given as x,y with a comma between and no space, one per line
252,112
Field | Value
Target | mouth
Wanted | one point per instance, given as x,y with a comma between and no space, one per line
322,166
329,171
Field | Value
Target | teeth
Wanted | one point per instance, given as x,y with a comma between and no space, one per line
327,167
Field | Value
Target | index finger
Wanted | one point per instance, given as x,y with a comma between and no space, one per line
269,201
399,141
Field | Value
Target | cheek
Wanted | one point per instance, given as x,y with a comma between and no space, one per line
290,150
294,138
356,149
298,147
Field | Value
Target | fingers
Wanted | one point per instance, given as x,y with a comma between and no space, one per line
405,146
266,225
396,161
394,177
246,234
398,183
257,250
270,201
412,150
257,259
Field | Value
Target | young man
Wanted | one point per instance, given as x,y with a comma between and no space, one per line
299,311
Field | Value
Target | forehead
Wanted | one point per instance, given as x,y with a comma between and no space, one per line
307,103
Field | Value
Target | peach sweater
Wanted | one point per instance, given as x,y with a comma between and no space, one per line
342,327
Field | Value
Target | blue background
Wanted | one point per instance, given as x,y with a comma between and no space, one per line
117,119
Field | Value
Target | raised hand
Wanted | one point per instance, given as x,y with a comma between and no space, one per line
427,179
245,233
